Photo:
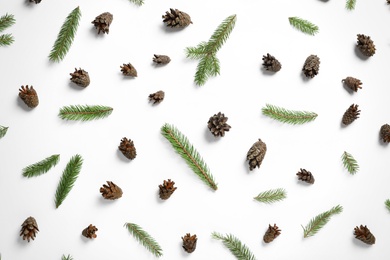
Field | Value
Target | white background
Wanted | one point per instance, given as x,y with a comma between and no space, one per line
240,92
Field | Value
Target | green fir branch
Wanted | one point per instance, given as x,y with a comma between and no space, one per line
350,4
137,2
69,257
84,112
271,196
319,221
288,116
387,204
3,131
350,163
6,39
303,25
41,167
66,36
185,149
68,178
6,21
236,247
144,238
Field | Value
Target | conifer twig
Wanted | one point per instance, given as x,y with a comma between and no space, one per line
303,25
350,4
185,149
69,257
319,221
236,247
271,196
387,204
6,39
3,131
84,112
137,2
6,21
41,167
144,238
350,163
288,116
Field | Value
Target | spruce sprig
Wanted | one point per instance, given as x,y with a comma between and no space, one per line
304,25
319,221
288,116
144,238
137,2
84,112
236,247
41,167
3,131
6,39
6,21
68,178
387,204
185,149
69,257
66,36
271,196
350,4
350,163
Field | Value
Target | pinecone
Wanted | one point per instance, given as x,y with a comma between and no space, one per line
217,124
189,242
127,148
80,77
29,229
364,235
351,114
103,22
29,96
388,2
129,70
161,59
89,232
270,63
176,18
365,45
271,233
305,176
157,97
166,189
385,133
311,66
352,83
111,191
36,1
256,154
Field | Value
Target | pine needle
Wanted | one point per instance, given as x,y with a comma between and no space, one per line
236,247
350,163
303,25
68,178
288,116
185,149
84,112
65,36
3,131
6,39
41,167
137,2
350,4
6,21
69,257
319,221
387,204
144,238
271,196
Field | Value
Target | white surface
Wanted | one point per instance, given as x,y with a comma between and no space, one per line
240,92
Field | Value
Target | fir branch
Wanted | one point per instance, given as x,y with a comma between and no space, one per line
6,21
303,25
69,257
350,163
41,167
319,221
196,52
84,112
3,131
350,4
271,196
185,149
387,204
208,66
137,2
65,36
221,34
144,238
6,39
68,178
288,116
236,247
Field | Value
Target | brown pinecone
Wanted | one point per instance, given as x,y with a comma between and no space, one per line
305,176
127,148
365,45
311,66
256,154
385,133
176,18
36,1
364,235
90,231
270,63
29,96
157,97
388,2
167,189
80,77
29,229
103,22
352,83
129,70
217,124
161,59
189,242
271,233
111,191
351,114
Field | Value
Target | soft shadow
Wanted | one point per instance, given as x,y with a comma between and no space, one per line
380,141
94,31
171,29
22,104
348,89
324,1
103,201
359,243
304,78
183,252
159,200
303,183
21,242
266,72
29,4
360,54
122,157
246,165
83,238
75,86
342,126
209,136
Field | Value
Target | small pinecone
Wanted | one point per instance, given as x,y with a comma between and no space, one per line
351,114
385,133
365,45
29,229
103,22
256,154
364,235
29,96
111,191
305,176
161,59
189,242
167,189
388,2
157,97
36,1
311,66
217,124
90,231
352,83
271,233
127,148
129,70
270,63
176,18
80,77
